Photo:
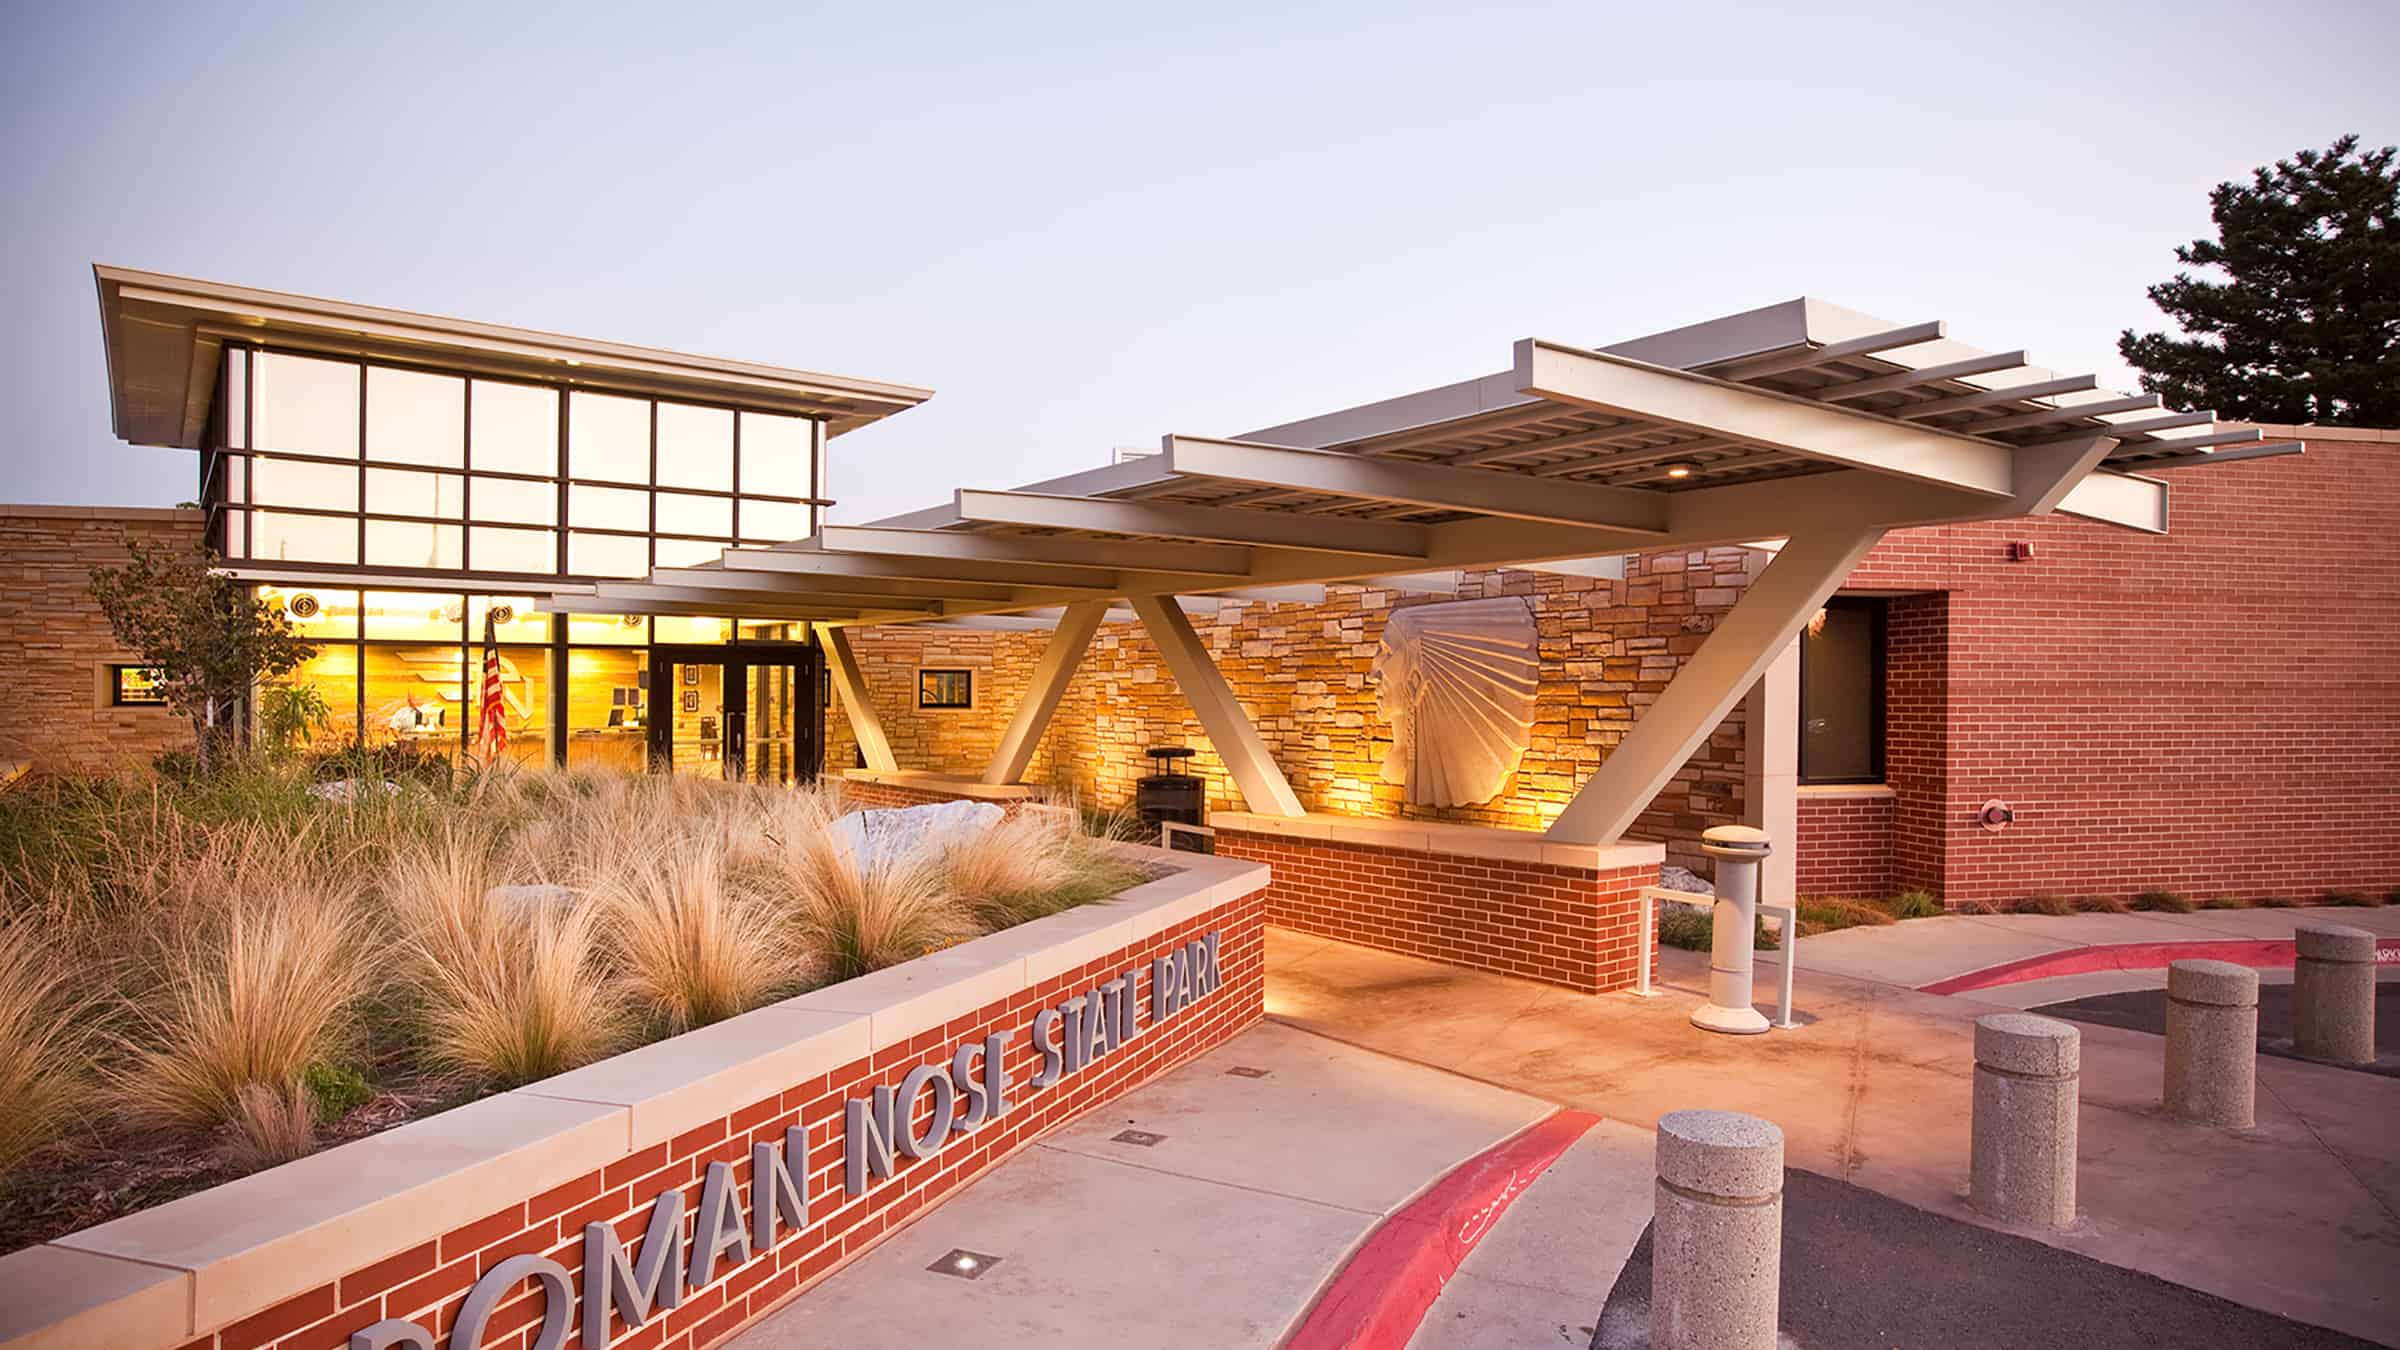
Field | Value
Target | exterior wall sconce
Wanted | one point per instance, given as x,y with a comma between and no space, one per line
1996,815
2020,551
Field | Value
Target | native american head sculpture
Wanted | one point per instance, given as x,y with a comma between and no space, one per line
1457,682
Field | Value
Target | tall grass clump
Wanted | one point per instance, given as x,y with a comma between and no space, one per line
2163,902
855,915
260,973
40,1090
693,943
1036,862
1914,905
509,987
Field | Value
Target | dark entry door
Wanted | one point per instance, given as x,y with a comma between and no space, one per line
736,714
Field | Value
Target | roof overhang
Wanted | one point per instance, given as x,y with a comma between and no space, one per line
165,336
1759,425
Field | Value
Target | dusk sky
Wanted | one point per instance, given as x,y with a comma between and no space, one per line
1085,226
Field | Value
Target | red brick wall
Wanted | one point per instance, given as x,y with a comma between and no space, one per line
55,645
428,1282
2215,711
1845,846
1562,925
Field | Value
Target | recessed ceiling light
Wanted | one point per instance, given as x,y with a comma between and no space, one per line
1680,468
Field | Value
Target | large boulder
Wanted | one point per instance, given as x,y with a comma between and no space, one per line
877,837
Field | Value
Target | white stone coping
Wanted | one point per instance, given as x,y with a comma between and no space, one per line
157,1278
1809,790
1434,836
956,785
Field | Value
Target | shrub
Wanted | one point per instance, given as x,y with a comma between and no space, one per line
1829,915
2163,902
2276,902
2349,899
2099,904
335,1090
511,988
2224,902
2044,904
38,1045
1695,930
260,976
1914,905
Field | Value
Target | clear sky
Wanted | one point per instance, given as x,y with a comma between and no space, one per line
1084,226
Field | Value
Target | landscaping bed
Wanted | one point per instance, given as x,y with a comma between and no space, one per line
201,977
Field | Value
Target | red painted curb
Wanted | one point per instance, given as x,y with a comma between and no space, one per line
1381,1294
2134,956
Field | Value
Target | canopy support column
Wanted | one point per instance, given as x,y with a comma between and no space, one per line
1068,642
1263,787
850,684
1771,772
1760,625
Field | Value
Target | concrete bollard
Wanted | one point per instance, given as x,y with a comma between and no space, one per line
1738,849
2212,1043
1716,1261
2333,993
2027,1084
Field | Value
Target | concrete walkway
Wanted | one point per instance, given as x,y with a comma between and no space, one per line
1919,952
1269,1160
2299,1216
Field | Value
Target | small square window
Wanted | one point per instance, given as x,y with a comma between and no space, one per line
945,689
135,687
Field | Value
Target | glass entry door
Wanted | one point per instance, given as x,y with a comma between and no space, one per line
735,714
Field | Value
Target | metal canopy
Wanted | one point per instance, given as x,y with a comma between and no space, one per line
1742,428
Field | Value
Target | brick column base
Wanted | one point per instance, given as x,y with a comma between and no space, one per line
1570,926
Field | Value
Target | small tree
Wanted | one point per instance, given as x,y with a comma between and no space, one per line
2305,325
208,637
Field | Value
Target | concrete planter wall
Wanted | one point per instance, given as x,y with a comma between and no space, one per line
403,1224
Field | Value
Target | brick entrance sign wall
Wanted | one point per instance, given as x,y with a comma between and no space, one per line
1497,900
404,1224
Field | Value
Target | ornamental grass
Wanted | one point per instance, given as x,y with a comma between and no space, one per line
259,970
508,982
316,959
40,1053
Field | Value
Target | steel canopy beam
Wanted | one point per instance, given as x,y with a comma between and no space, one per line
1761,417
1252,767
850,683
1490,492
1210,524
811,562
1051,675
1038,550
860,588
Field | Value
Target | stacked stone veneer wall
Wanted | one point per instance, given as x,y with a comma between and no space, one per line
650,1146
1573,926
1607,647
56,647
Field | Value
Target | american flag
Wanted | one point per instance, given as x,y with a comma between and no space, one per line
494,736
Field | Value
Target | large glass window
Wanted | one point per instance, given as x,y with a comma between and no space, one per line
608,438
695,447
515,428
351,464
1841,694
606,692
416,695
415,418
306,405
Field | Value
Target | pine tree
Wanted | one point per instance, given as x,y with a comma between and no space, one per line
2305,324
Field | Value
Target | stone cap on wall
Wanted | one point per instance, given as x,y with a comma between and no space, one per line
25,511
191,1266
1435,836
949,785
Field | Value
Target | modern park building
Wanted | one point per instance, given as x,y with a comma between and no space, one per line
1468,665
389,479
